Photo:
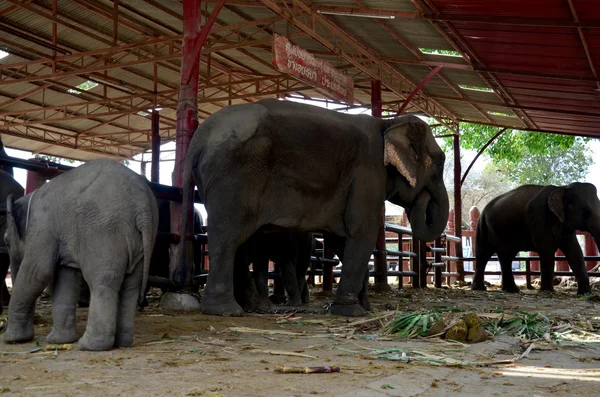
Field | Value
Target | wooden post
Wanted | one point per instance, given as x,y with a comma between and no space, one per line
590,250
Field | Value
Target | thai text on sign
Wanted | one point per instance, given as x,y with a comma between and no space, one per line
293,60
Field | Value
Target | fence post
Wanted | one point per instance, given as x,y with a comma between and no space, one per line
451,246
437,258
590,250
403,247
416,263
422,264
561,266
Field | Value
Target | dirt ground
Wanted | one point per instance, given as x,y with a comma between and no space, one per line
180,354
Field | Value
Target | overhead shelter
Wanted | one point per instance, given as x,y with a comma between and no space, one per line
80,77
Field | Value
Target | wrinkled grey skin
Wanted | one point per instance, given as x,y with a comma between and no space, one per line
290,252
98,220
284,166
8,186
540,219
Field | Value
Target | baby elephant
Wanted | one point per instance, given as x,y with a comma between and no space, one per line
99,220
541,219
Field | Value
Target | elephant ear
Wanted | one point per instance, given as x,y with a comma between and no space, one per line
402,147
556,203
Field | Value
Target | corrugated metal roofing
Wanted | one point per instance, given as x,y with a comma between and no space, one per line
540,62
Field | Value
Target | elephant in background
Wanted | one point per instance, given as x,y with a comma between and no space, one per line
284,166
8,186
290,253
541,219
98,220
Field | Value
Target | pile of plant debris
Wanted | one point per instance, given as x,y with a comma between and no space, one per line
478,327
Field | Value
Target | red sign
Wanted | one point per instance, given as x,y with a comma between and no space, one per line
295,61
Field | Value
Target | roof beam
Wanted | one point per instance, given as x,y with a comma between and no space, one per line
583,41
469,55
336,40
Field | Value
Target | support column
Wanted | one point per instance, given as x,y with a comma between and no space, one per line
381,266
187,122
35,180
460,268
155,176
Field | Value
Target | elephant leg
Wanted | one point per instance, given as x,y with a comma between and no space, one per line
35,274
357,251
219,294
290,283
128,299
573,253
508,279
104,307
547,271
363,296
67,282
244,285
483,256
260,267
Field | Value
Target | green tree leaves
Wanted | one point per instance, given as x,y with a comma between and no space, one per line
528,157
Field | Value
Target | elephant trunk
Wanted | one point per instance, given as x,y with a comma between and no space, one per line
429,214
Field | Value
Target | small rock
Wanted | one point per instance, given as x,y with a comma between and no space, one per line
181,302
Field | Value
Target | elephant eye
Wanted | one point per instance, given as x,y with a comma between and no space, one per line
413,149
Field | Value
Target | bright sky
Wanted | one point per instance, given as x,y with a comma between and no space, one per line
166,167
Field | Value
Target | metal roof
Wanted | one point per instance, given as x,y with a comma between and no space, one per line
537,60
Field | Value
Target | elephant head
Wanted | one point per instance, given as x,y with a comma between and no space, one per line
14,235
414,163
577,206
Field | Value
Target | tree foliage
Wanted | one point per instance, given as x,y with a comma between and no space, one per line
53,159
556,167
528,157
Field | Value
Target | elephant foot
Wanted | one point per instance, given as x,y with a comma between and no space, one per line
351,310
512,289
365,303
229,308
61,336
96,343
381,287
583,291
477,286
19,330
124,339
293,302
277,299
257,304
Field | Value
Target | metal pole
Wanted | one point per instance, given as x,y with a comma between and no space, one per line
460,268
155,170
187,122
381,266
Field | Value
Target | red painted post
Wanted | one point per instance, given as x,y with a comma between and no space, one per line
381,265
562,266
590,250
35,180
155,170
187,122
460,269
534,265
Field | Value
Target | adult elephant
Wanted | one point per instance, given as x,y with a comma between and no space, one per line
98,220
8,186
284,166
541,219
